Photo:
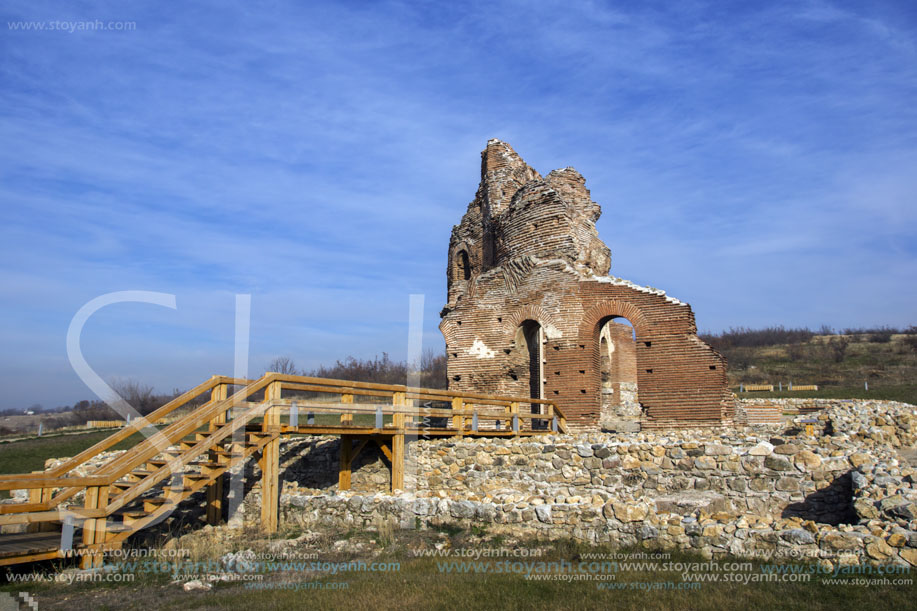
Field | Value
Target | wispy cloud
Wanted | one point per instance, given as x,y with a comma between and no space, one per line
317,155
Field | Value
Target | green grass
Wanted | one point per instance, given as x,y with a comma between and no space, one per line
423,583
889,367
30,455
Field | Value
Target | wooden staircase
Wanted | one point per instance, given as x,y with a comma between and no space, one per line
144,485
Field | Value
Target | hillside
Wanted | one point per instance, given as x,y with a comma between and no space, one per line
840,364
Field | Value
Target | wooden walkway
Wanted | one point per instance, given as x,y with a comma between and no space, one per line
143,486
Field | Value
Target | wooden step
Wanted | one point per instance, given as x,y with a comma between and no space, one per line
153,504
176,493
129,517
112,530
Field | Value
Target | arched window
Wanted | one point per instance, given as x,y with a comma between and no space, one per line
462,266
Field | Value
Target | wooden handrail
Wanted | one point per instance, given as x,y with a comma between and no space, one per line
288,378
120,465
388,410
132,493
120,435
185,457
148,448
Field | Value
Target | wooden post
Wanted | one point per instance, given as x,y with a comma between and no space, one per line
215,489
270,463
215,501
514,410
398,400
346,418
458,421
344,471
219,393
39,495
94,528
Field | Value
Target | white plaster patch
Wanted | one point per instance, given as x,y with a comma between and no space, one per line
480,350
552,332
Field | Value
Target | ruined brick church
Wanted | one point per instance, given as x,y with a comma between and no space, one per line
533,312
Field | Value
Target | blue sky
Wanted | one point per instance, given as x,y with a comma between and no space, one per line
756,161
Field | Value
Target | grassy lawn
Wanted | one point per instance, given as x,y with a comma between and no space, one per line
421,585
890,367
426,583
30,455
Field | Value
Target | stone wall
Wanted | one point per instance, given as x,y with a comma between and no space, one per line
844,495
527,251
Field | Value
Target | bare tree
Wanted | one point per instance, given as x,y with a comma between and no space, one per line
138,395
838,347
283,364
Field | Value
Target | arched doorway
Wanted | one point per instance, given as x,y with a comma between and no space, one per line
528,363
617,347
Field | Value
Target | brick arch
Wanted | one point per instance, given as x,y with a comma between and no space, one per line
589,332
527,312
612,307
463,245
454,262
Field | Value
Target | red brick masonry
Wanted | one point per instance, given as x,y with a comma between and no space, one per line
527,250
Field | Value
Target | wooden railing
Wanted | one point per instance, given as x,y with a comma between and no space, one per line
465,411
383,410
54,478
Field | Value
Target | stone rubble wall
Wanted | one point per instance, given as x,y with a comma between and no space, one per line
843,497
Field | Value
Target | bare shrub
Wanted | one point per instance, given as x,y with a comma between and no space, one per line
284,365
837,347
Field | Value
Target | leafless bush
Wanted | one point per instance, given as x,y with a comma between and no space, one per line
138,395
383,370
795,352
911,341
284,365
837,348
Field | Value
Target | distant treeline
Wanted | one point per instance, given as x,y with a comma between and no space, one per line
140,396
743,337
379,370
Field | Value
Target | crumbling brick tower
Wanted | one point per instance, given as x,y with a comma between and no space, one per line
531,311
